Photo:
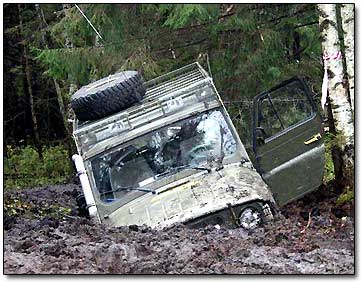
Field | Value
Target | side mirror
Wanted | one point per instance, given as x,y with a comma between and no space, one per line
260,136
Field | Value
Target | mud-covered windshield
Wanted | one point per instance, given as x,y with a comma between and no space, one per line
195,142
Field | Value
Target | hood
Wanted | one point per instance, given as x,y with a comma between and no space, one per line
192,197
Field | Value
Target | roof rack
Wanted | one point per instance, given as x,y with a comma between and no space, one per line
189,87
158,90
175,81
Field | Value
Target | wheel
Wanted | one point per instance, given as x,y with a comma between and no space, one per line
108,96
82,206
251,216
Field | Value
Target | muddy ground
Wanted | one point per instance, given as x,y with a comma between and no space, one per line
42,236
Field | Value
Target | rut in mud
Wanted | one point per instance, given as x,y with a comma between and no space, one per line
41,236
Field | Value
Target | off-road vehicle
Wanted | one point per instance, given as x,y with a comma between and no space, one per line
166,151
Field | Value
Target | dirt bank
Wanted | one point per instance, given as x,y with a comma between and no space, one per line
42,236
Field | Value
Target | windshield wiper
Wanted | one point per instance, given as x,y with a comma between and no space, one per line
129,189
179,168
200,168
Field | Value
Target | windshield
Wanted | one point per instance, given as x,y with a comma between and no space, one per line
197,142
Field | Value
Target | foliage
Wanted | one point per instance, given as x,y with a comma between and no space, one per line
346,196
88,57
15,206
243,46
188,14
251,47
24,168
333,141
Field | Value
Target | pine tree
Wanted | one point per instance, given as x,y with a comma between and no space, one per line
251,47
27,71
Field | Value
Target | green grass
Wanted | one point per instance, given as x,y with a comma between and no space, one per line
24,168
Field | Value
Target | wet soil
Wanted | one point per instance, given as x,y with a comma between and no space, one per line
314,236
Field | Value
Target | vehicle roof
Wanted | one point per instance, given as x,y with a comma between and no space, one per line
169,98
170,85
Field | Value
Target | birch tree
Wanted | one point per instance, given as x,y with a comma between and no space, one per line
338,94
347,15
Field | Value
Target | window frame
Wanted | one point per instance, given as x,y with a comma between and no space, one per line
256,106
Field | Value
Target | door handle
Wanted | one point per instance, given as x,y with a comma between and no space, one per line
315,138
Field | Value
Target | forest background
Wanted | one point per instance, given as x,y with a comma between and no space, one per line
50,51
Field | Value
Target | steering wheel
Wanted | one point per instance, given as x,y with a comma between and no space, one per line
195,151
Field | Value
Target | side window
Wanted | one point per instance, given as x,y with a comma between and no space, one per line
283,108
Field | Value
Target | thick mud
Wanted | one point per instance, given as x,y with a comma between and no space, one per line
41,236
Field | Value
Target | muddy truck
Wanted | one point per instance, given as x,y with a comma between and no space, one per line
165,151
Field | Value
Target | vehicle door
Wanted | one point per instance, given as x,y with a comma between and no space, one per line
287,140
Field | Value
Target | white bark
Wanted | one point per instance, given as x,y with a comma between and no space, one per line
347,15
338,93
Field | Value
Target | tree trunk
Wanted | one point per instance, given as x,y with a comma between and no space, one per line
36,135
62,109
72,87
338,93
335,150
347,15
69,44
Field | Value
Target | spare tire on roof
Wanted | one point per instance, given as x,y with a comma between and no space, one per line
108,95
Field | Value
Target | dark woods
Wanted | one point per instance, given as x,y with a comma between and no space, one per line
154,34
50,51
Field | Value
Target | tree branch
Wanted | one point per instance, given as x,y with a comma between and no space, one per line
300,11
205,24
179,46
306,24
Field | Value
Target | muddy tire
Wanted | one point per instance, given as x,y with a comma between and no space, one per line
251,216
82,209
108,96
